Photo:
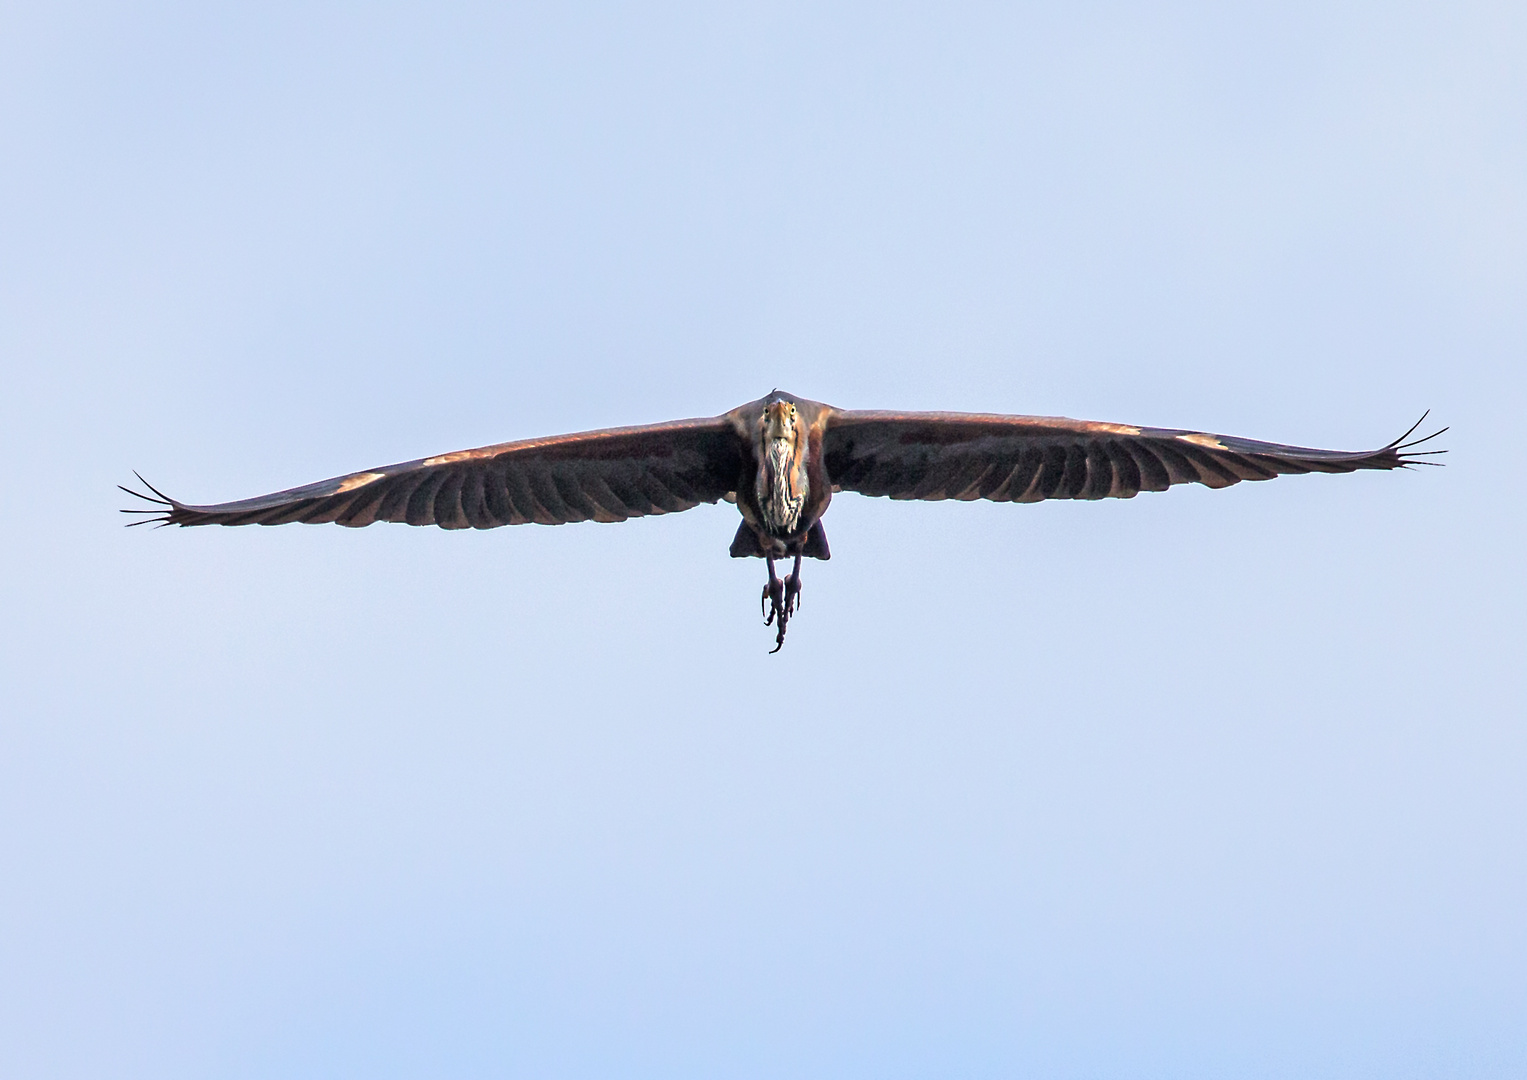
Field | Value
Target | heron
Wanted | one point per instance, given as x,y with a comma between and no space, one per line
780,460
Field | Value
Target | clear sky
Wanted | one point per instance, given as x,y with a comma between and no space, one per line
1201,784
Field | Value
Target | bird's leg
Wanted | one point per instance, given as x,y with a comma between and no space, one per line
793,588
773,600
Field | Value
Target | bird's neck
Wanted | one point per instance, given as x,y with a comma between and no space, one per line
782,484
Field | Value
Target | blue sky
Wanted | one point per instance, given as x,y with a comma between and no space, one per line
1198,784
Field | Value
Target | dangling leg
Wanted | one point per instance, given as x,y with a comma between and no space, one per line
773,596
786,598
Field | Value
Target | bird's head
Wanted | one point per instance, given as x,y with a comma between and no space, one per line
779,421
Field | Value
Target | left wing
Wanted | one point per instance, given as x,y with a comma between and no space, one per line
1030,458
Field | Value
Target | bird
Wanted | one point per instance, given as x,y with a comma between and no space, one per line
780,460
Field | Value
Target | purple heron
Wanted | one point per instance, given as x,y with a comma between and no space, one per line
780,459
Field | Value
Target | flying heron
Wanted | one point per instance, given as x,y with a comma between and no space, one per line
780,459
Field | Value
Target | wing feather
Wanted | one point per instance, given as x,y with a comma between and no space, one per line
1126,470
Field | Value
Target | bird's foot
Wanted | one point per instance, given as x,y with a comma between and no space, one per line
784,598
773,602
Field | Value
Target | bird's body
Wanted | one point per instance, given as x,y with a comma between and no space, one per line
780,459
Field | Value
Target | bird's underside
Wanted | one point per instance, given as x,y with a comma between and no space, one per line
780,460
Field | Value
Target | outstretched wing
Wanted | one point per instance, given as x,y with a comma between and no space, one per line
605,475
1030,458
